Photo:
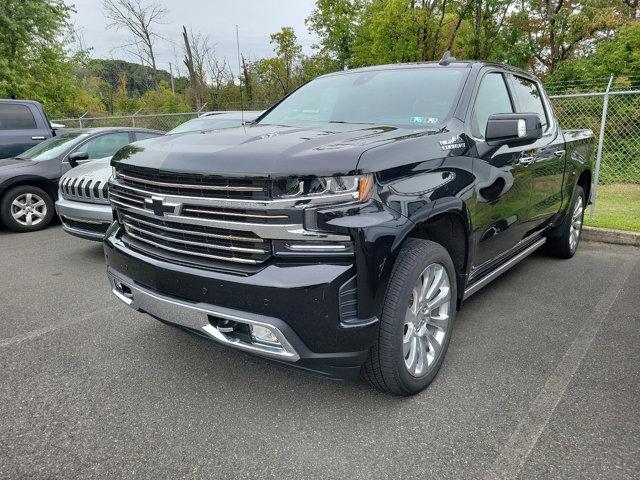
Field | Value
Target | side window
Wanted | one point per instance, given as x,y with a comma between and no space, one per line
492,97
105,145
16,117
530,99
145,135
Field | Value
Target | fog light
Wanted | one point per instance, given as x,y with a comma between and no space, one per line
263,335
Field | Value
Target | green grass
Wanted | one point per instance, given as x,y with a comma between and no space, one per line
617,207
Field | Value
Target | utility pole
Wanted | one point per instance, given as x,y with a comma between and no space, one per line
173,89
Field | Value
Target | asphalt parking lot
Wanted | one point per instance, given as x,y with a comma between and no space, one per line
542,380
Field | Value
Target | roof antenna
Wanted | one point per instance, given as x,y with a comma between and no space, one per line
240,76
446,59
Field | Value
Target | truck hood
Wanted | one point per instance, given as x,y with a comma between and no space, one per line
263,150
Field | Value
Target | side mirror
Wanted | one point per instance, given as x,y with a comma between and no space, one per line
75,157
513,129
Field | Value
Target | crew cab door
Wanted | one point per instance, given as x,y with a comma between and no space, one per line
503,177
21,127
547,155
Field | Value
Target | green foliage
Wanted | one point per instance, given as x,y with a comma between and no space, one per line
33,60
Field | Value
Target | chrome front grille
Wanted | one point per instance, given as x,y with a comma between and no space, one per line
191,240
206,222
84,189
165,183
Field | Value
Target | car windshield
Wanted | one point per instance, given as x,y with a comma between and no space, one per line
53,147
419,97
206,123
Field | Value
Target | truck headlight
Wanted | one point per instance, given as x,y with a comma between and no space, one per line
343,188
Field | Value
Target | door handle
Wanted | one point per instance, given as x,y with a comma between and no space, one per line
526,161
38,137
559,153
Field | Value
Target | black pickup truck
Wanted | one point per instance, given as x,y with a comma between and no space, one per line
23,124
341,231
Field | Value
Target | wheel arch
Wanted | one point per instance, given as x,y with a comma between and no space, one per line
45,184
448,224
584,181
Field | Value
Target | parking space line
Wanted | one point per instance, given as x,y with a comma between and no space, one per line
33,334
515,452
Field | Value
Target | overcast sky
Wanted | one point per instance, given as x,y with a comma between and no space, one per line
257,19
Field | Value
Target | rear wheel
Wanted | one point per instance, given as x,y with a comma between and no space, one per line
26,208
565,243
417,320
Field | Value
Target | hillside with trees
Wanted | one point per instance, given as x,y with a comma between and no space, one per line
560,40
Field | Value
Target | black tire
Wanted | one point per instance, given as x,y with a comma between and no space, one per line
6,206
559,243
385,367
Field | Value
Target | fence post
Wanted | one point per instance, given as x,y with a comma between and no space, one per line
603,122
133,117
81,117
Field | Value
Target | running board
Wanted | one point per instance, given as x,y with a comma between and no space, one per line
474,287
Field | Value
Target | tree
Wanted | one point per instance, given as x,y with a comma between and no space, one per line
335,23
33,60
288,53
198,51
559,30
140,21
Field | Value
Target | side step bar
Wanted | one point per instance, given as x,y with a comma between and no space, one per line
474,287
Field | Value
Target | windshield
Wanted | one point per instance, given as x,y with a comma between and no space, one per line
417,97
53,147
206,123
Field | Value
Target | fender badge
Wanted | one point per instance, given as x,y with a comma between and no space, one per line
453,143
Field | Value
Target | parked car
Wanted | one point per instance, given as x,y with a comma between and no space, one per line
29,181
23,124
85,210
215,121
341,232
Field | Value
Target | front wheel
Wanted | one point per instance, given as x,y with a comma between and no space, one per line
26,208
416,322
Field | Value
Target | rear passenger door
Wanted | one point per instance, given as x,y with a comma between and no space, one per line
19,130
546,156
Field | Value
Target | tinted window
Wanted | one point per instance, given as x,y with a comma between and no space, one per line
54,147
416,97
145,135
492,97
16,117
529,99
105,145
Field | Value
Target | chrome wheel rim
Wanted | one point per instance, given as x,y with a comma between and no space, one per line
28,209
576,224
427,320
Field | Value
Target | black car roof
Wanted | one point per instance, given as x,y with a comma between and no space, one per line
453,64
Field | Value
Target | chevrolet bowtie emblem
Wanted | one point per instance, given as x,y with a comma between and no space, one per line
160,207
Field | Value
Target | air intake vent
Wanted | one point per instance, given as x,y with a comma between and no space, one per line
349,301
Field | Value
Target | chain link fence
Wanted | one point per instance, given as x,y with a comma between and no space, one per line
610,107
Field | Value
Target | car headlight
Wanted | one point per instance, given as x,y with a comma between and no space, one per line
342,188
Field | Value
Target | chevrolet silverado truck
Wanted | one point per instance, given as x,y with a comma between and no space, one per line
341,231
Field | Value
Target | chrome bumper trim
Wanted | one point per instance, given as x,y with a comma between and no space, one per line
195,317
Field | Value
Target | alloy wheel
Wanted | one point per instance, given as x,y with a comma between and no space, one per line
427,320
28,209
576,224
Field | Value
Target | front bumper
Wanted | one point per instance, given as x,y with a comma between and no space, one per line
298,302
85,220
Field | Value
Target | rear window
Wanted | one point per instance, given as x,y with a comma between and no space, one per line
16,117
